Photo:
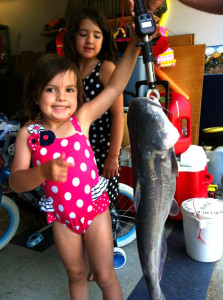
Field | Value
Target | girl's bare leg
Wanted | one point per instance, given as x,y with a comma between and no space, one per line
71,250
98,241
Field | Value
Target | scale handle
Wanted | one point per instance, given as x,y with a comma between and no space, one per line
145,27
145,24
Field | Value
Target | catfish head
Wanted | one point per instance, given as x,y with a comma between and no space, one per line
149,127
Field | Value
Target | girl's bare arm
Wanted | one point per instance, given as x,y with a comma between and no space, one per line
91,110
213,6
23,178
209,6
117,125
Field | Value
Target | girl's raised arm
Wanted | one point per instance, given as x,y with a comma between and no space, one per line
91,110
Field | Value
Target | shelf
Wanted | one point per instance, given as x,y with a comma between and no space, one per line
50,32
5,60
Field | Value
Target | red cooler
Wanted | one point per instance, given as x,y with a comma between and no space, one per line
193,179
126,175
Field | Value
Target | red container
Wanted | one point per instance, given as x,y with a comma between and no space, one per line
59,42
126,176
181,118
193,179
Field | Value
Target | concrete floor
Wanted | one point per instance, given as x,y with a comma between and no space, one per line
29,275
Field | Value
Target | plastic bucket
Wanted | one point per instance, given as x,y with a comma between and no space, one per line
203,223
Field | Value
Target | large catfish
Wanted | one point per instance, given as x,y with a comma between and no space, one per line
154,164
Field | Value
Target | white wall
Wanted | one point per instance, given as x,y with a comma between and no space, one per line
208,28
27,18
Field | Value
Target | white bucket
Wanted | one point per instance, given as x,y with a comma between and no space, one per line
203,227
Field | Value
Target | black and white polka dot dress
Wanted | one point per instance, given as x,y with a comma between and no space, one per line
100,130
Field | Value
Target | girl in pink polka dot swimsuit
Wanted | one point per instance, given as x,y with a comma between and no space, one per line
71,203
57,145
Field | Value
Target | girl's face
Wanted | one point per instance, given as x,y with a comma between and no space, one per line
58,101
88,39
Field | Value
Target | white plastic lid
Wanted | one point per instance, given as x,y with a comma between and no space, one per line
192,169
206,208
195,157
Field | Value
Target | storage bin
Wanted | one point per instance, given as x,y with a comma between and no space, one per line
215,165
202,224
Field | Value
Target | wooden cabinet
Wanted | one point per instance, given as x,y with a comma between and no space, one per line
188,75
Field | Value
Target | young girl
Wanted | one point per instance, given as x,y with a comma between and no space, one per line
63,162
89,42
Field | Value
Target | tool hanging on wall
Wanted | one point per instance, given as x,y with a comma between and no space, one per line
121,30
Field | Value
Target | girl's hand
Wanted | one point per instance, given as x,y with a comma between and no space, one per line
56,169
132,12
110,167
151,5
157,33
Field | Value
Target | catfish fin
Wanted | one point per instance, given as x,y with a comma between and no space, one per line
174,163
162,258
174,210
137,196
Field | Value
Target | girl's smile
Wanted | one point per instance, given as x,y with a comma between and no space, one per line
60,107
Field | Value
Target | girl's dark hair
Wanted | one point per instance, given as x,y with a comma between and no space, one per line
108,50
45,69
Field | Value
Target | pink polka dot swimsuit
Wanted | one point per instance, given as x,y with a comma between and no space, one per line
76,202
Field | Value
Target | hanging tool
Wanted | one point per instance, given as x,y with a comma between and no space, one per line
145,28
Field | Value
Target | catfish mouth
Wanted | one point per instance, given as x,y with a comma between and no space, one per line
168,135
170,142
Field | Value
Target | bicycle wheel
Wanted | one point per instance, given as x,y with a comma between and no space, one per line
123,214
9,220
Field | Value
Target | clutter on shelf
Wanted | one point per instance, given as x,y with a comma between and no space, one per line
53,26
165,58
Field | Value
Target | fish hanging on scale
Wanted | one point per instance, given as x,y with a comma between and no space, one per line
154,164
